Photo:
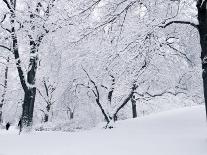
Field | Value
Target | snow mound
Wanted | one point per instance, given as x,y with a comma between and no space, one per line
177,132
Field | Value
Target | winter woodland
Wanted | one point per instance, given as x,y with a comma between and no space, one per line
69,65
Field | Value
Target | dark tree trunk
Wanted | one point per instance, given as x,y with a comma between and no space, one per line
28,106
107,119
134,107
30,92
1,120
202,27
46,118
115,117
71,115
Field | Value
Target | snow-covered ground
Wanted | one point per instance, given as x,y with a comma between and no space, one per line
177,132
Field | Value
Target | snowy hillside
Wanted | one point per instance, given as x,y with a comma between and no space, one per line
178,132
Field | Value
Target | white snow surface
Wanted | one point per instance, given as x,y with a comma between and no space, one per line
177,132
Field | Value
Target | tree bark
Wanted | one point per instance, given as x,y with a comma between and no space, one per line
30,92
28,107
202,27
134,107
46,118
71,115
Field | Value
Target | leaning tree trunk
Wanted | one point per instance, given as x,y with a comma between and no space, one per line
29,92
202,27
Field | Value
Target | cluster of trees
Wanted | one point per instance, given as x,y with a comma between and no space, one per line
59,55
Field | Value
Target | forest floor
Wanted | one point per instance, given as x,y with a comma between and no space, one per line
177,132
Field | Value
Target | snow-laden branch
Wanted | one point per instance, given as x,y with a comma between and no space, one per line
2,20
148,95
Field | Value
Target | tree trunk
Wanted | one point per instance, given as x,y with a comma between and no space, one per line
202,19
46,118
28,106
28,84
134,107
1,120
30,92
115,117
46,114
71,115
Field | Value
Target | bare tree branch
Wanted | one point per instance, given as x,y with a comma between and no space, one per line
42,95
180,22
2,85
5,47
96,93
7,4
149,96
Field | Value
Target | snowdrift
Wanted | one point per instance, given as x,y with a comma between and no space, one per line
177,132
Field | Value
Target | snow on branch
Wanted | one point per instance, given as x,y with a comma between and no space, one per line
91,7
113,17
149,96
1,22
